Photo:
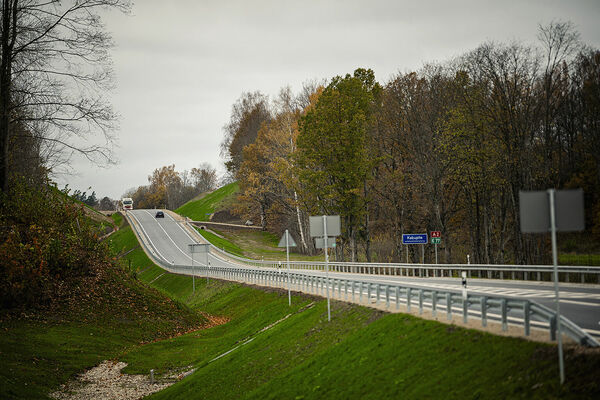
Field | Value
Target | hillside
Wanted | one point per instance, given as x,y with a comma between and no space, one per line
66,303
251,244
202,209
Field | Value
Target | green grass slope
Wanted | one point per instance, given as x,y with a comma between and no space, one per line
361,353
200,210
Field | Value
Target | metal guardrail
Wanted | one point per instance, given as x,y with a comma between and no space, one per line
589,274
525,313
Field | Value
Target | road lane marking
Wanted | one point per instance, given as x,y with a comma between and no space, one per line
148,237
172,241
583,303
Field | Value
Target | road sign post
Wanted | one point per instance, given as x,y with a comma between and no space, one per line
553,210
327,227
198,248
287,241
436,238
415,238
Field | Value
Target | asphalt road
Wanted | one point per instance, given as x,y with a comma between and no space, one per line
579,303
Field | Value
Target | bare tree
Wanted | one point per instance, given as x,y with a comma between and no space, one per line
54,69
204,178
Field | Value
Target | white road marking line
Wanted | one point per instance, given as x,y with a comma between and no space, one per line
148,237
592,332
583,303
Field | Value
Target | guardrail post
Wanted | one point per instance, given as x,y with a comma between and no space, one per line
408,298
360,291
539,276
513,275
378,288
434,303
449,306
567,277
501,274
525,276
504,307
397,297
484,311
465,309
369,293
353,291
526,318
420,301
322,285
387,296
553,327
582,277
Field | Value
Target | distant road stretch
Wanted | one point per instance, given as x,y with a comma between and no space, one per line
579,303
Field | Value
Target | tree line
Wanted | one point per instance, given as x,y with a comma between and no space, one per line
170,189
445,148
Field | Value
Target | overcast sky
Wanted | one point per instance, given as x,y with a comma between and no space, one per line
181,64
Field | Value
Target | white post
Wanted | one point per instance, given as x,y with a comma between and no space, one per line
287,251
207,265
326,267
561,363
193,274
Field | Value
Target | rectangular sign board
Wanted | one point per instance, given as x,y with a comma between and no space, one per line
436,240
320,242
333,226
414,238
199,247
534,211
436,234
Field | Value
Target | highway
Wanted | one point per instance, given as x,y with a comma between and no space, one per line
580,303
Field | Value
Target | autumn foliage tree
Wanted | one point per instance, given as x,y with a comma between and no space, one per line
447,147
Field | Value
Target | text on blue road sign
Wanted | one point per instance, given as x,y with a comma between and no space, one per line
414,238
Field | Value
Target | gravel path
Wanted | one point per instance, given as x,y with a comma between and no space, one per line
106,382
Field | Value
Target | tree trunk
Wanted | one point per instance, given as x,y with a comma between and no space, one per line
9,13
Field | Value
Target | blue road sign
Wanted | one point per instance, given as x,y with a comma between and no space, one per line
414,238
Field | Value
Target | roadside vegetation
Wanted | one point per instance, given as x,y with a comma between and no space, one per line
362,352
202,209
443,148
66,304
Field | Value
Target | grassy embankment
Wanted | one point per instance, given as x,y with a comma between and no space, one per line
200,210
99,316
361,353
251,243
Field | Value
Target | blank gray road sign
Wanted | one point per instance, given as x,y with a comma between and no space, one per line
198,247
534,210
320,242
333,226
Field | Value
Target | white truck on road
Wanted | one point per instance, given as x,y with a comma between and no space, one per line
127,203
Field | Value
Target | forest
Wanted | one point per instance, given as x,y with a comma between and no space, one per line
444,148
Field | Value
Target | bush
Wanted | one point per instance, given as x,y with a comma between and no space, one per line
45,237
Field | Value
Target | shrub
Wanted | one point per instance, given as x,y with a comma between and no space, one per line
45,237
